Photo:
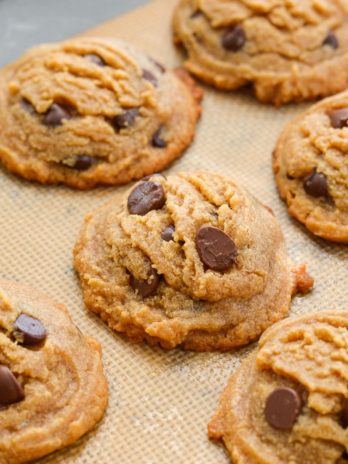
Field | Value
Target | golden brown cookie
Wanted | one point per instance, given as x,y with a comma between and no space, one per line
287,50
93,111
190,260
311,168
52,386
288,402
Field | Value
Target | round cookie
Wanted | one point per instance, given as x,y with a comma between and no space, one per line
93,111
288,402
52,386
190,260
311,168
288,51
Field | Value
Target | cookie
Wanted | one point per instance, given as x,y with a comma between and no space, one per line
288,402
52,386
311,168
288,51
190,260
93,111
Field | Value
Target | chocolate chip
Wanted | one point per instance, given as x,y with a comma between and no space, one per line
339,118
283,406
196,14
10,390
331,40
146,178
126,119
157,141
234,38
345,413
168,233
146,197
315,184
216,249
28,107
96,59
149,76
83,162
158,65
29,331
55,115
146,287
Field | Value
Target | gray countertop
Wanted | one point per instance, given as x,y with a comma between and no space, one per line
24,23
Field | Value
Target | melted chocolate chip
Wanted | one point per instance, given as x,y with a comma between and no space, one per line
168,233
283,406
55,115
10,390
28,107
145,197
96,59
83,162
339,118
345,413
157,141
215,248
316,185
126,119
147,287
149,76
29,331
331,40
234,38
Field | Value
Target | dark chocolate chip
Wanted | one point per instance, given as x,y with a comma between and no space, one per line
126,119
146,197
339,118
283,406
146,287
55,115
157,141
216,249
83,162
315,184
28,107
234,38
331,40
168,233
96,59
345,413
149,76
10,390
29,331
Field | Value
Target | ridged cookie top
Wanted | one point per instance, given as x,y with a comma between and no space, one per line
272,43
53,389
92,110
206,212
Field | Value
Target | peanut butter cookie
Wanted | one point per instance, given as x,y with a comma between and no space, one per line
288,402
189,260
93,111
311,168
52,385
288,50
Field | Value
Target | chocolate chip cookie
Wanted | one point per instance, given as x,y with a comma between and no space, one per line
190,260
93,111
311,168
288,51
288,402
52,385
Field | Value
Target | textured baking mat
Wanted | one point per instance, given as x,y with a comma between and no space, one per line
160,402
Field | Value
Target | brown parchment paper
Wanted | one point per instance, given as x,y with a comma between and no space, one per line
160,402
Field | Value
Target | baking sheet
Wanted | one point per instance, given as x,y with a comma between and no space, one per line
160,402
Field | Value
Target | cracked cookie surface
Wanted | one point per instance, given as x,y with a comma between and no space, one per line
52,386
93,111
311,168
287,50
288,401
191,260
